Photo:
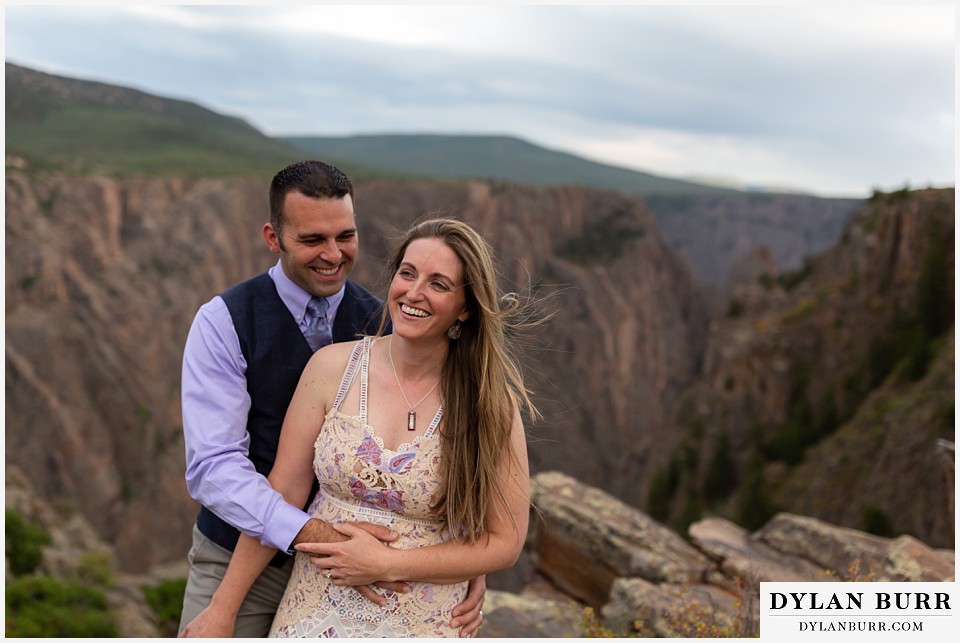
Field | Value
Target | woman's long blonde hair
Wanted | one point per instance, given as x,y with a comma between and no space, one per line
481,381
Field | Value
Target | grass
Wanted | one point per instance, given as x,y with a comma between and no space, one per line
166,600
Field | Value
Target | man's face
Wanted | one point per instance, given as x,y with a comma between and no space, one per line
319,242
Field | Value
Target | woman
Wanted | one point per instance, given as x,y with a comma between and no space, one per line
419,430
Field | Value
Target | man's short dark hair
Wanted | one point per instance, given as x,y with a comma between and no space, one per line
315,179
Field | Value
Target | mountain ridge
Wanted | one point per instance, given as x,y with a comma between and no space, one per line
83,127
490,157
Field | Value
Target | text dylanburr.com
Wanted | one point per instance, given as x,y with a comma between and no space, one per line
858,611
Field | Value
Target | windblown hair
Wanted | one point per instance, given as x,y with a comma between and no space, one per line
482,383
314,179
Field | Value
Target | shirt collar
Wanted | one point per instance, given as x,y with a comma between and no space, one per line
296,298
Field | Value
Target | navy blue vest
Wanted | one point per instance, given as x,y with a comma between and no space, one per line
276,354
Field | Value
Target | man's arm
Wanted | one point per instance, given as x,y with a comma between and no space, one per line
468,615
215,404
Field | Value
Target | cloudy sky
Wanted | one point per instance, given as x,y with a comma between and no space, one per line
829,98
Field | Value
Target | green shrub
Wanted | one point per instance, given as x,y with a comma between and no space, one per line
767,280
662,488
790,442
735,308
721,478
166,600
96,568
24,543
900,195
875,520
603,241
790,280
40,606
691,512
801,310
754,507
828,416
934,299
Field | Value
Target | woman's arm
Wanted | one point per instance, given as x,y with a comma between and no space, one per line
292,476
362,560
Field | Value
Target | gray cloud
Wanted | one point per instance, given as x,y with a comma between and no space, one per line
837,113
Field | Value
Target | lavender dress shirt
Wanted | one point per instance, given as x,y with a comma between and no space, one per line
215,405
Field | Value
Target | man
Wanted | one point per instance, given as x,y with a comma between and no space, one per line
242,361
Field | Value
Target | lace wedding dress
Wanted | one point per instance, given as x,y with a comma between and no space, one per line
360,480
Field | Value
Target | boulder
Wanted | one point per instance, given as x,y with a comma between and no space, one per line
507,615
741,556
639,607
854,555
586,538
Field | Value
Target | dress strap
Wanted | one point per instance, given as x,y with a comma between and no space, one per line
434,423
364,377
348,375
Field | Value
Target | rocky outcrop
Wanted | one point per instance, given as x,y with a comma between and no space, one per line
853,554
585,540
508,615
642,579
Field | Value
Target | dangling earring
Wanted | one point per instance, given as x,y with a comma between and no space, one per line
454,331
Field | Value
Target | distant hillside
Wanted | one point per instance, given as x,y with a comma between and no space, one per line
489,157
86,127
713,228
91,128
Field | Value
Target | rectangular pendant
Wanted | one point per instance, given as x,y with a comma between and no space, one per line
411,421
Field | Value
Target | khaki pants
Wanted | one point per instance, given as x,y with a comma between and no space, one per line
208,565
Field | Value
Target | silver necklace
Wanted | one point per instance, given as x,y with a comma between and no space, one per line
411,415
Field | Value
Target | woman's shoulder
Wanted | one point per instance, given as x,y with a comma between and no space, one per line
328,364
337,352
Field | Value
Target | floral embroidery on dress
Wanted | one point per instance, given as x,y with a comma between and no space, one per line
390,499
360,480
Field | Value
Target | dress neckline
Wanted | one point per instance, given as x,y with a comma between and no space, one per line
361,358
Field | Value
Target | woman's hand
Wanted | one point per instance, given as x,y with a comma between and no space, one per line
210,623
359,560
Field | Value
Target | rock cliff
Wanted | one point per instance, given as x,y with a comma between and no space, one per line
829,386
715,232
103,278
102,281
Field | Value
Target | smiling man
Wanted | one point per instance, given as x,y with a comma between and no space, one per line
242,361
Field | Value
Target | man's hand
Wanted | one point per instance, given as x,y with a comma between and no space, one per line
210,623
318,531
468,615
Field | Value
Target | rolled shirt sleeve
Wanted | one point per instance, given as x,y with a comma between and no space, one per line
215,404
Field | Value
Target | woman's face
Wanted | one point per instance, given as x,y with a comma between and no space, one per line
427,295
